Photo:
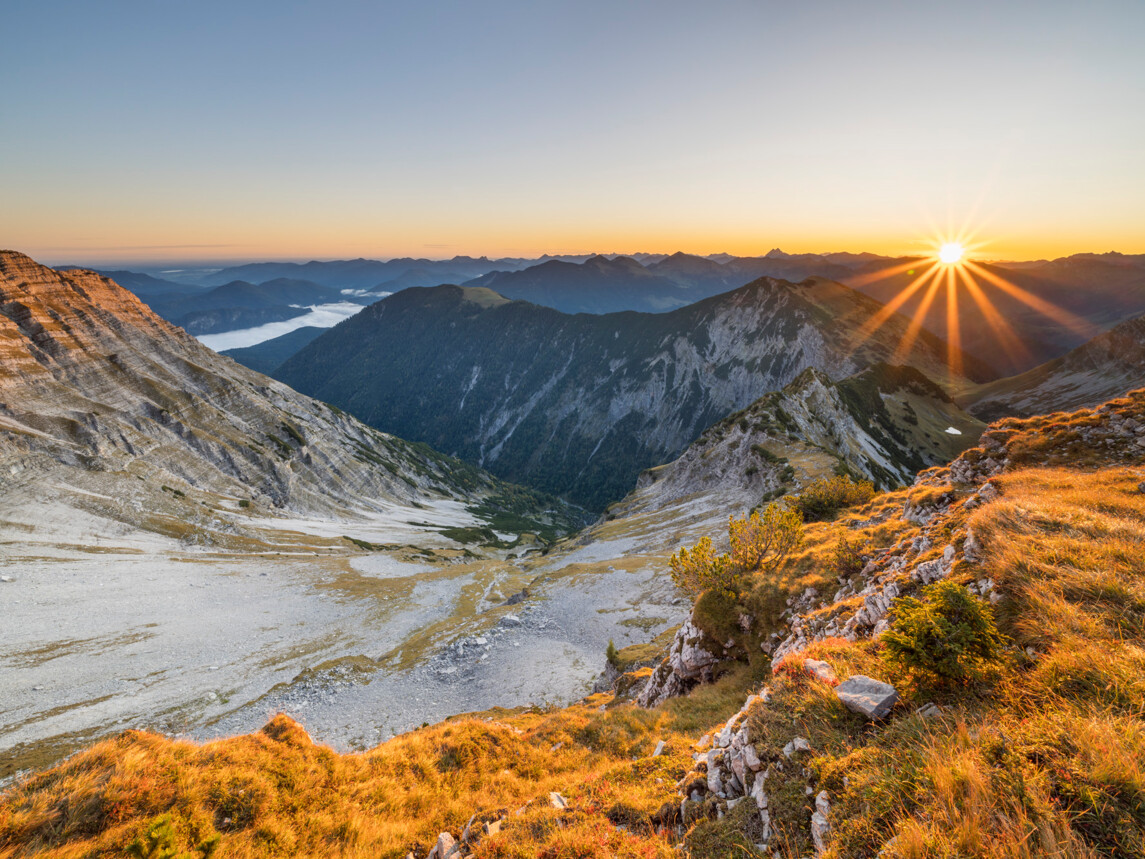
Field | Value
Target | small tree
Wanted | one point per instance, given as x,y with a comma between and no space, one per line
612,655
948,634
763,542
757,543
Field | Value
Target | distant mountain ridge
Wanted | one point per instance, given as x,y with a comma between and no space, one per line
1092,292
1108,366
580,404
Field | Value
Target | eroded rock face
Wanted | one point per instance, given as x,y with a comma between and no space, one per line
90,376
689,662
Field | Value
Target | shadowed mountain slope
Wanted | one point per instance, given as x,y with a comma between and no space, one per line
267,356
1105,367
579,405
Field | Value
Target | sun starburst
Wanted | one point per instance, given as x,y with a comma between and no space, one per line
950,272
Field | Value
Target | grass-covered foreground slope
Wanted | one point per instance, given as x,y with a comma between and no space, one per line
1034,748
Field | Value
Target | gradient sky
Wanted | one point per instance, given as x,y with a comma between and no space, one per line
169,129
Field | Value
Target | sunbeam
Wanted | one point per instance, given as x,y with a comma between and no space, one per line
951,268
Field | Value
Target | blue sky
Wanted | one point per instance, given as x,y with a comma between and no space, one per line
163,130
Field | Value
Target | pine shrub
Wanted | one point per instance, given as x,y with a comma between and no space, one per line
824,498
949,634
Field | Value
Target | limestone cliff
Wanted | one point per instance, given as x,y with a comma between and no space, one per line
91,377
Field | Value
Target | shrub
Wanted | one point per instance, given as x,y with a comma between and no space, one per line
612,655
846,557
697,569
824,498
949,634
758,542
762,542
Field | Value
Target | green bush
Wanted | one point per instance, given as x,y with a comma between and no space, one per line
758,542
612,655
824,498
949,634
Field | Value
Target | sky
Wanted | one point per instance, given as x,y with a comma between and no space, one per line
220,131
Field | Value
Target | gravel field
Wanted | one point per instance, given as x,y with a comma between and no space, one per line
108,628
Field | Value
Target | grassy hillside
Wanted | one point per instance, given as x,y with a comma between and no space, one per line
1037,750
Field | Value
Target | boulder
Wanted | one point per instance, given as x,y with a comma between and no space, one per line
871,698
799,744
820,670
445,848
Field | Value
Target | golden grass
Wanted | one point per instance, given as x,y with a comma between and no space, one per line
1044,758
276,793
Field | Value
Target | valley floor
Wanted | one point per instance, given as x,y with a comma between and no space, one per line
109,627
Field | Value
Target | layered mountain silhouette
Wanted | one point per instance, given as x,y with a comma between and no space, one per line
1066,302
580,404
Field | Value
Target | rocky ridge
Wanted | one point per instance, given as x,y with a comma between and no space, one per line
884,424
579,405
93,379
863,606
732,763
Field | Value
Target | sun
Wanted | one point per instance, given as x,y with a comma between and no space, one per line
951,252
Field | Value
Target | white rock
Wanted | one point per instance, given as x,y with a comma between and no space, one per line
872,698
659,749
820,825
445,848
798,744
820,670
557,801
751,758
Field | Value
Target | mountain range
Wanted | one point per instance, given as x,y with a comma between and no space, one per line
578,405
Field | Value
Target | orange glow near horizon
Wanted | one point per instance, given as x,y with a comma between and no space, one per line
951,269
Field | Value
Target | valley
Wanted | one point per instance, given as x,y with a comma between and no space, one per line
201,640
242,564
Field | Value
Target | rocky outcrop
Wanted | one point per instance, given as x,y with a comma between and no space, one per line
690,661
